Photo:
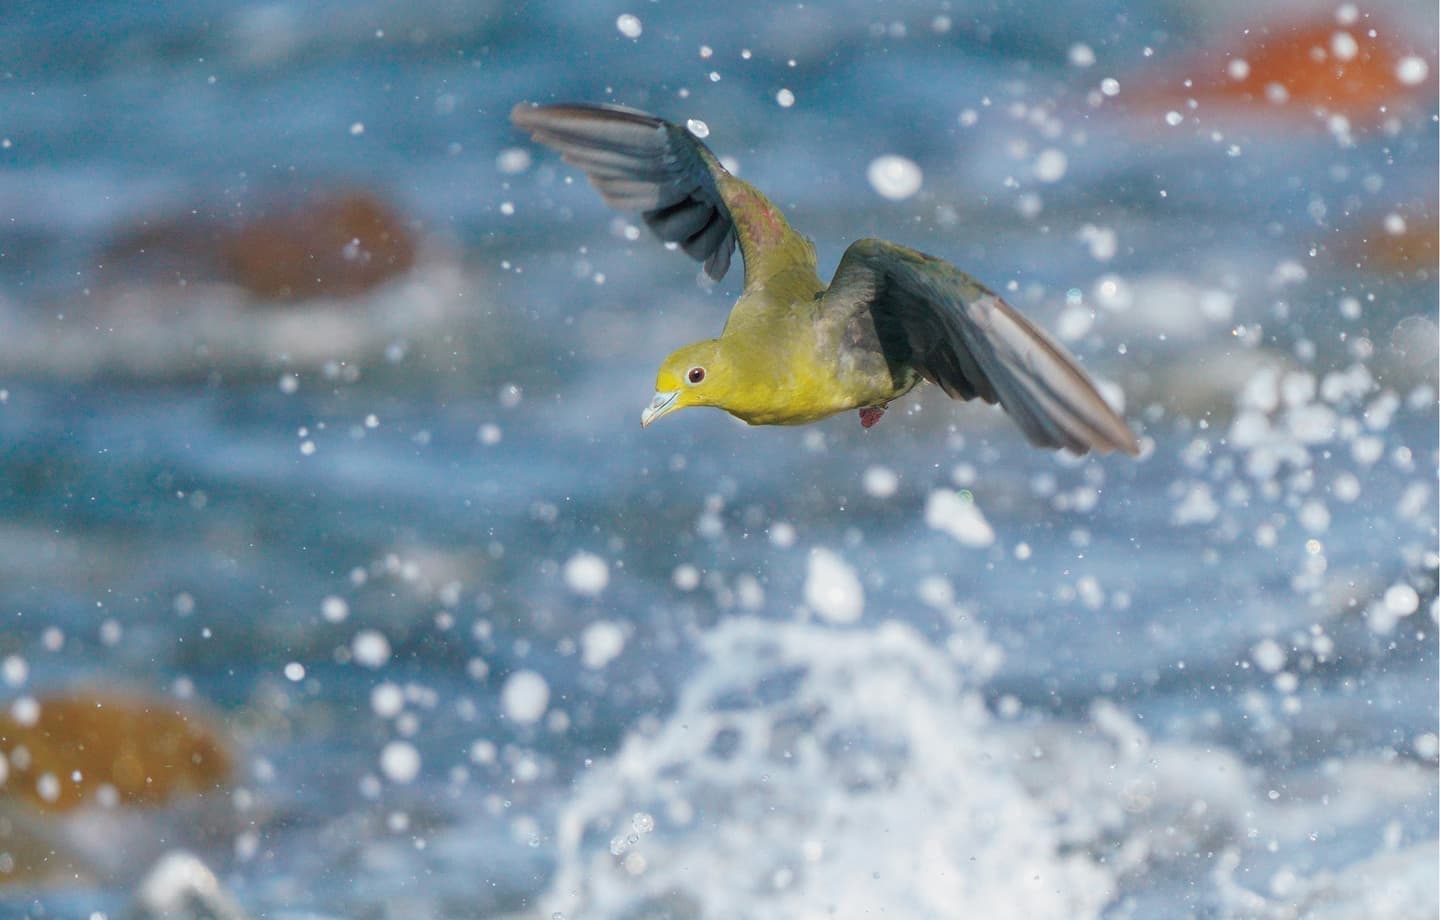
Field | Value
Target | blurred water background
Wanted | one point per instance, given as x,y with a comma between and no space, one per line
319,391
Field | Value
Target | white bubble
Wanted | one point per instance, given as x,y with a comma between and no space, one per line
357,128
1426,745
629,25
482,752
698,128
387,699
1238,69
600,643
400,762
894,176
1197,506
1268,656
832,589
936,591
1402,600
1102,242
370,648
586,574
1173,118
513,160
1394,224
881,481
294,672
525,697
1081,55
1029,205
1074,322
1412,70
1344,46
15,670
25,711
1217,305
48,787
1050,165
958,516
782,534
1110,86
1314,516
685,577
334,609
786,98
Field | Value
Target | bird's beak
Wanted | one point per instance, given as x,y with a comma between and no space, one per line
662,404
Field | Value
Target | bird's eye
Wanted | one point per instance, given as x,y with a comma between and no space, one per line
696,375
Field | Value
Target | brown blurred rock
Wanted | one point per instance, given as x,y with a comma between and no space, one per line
86,746
32,854
332,246
1409,248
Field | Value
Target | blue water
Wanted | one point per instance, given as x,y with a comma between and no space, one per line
1080,714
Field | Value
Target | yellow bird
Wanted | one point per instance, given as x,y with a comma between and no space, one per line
794,350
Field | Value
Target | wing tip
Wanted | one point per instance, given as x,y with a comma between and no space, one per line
530,115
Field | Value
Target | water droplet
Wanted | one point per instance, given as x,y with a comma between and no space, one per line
1412,70
629,25
894,177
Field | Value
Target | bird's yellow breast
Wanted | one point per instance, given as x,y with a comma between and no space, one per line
789,366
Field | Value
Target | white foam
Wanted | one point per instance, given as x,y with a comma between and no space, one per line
832,588
959,517
859,784
181,885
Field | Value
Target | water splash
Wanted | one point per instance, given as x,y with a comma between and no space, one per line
808,768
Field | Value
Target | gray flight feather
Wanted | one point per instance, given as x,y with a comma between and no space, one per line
955,332
640,163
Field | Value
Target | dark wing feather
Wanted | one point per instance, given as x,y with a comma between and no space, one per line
957,333
641,163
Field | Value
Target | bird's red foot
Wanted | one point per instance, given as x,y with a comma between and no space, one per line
870,415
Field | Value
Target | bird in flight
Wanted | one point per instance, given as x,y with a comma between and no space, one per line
795,350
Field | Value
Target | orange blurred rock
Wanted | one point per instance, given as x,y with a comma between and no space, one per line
84,747
333,245
1295,67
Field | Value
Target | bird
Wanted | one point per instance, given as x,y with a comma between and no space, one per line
795,350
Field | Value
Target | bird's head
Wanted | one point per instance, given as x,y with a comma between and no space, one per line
696,375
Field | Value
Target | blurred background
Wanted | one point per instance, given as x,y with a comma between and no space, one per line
337,577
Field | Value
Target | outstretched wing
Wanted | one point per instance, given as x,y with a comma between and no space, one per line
957,333
639,162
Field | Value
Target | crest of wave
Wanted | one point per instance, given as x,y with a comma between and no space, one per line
814,772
